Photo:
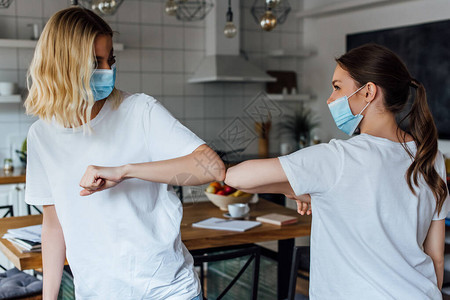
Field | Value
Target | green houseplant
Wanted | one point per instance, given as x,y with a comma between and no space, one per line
298,126
22,153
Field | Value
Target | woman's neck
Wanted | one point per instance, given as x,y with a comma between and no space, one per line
98,105
384,126
96,108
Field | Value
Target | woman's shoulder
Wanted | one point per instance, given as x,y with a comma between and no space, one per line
39,127
440,164
140,103
136,104
352,146
363,141
137,100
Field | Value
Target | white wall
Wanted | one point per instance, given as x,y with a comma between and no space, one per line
328,36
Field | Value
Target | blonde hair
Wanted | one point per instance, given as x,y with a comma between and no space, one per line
62,66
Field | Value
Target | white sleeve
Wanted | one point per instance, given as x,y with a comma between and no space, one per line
37,191
440,168
314,169
166,137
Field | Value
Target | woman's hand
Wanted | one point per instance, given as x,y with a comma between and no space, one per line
97,179
303,203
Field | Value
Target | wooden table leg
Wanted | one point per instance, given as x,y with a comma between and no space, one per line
285,250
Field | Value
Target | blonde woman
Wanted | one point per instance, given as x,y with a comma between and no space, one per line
124,242
379,199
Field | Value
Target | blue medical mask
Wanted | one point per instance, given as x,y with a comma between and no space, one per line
343,116
102,82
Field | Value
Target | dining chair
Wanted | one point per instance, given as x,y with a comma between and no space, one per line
29,207
253,252
9,211
15,284
299,268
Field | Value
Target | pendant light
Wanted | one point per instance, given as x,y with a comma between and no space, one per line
268,21
5,3
270,13
171,7
101,7
230,29
272,3
193,10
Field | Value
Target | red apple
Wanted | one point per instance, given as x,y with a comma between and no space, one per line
221,192
228,189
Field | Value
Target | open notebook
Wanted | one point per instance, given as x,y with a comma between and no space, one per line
223,224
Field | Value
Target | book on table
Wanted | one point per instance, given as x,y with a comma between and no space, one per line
277,219
23,246
26,239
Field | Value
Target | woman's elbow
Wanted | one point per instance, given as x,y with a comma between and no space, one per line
439,260
220,172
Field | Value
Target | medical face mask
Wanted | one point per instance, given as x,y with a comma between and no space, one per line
102,82
343,116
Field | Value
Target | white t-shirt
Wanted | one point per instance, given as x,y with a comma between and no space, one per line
368,228
124,242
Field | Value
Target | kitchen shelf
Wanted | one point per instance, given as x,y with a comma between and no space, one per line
10,43
282,53
343,7
11,99
296,97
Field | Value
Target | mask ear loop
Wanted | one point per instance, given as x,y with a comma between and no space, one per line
364,108
357,91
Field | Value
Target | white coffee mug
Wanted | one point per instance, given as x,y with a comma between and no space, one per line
7,88
238,210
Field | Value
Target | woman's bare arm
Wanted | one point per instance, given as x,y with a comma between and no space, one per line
434,246
259,176
203,165
265,176
53,252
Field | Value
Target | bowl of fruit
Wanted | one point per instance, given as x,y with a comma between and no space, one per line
221,195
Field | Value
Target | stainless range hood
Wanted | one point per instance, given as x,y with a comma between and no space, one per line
223,62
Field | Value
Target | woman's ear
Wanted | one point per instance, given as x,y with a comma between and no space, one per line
370,92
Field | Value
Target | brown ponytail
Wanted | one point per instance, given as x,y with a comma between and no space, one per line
377,64
423,130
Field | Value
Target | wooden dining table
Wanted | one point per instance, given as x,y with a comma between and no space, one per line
197,238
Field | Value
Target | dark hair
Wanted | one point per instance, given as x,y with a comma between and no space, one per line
377,64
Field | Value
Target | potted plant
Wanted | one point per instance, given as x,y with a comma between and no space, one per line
298,126
22,153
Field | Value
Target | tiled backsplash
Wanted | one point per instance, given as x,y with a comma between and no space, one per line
160,55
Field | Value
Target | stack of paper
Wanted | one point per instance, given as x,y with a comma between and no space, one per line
223,224
26,239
